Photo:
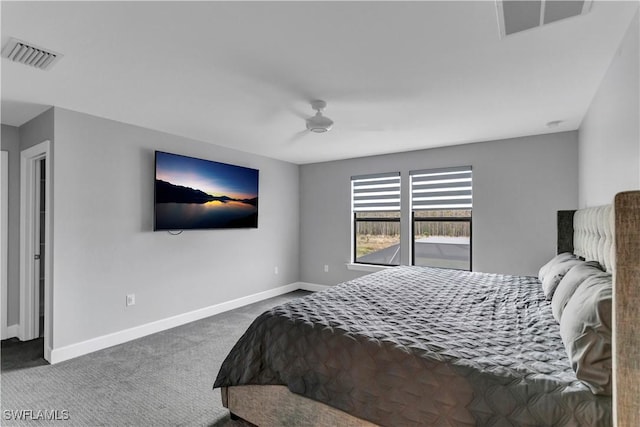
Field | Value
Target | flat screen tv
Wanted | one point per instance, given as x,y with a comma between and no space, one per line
195,193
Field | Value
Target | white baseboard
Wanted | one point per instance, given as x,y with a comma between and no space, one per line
74,350
11,332
305,286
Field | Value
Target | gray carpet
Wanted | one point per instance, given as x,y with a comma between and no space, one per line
163,379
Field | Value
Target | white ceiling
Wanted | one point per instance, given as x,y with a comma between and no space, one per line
396,76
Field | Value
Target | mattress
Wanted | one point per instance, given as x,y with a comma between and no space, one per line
421,346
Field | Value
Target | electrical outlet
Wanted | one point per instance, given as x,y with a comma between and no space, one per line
326,268
275,270
131,299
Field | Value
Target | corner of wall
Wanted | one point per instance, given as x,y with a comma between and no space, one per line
609,136
38,129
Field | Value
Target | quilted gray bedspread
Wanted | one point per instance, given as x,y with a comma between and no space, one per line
422,346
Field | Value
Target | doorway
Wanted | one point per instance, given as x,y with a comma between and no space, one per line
35,243
41,210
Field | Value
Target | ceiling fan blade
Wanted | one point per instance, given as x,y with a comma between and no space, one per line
297,136
297,113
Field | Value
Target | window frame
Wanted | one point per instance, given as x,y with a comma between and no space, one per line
429,190
458,194
384,206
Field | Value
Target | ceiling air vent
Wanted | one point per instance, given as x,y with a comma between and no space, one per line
519,15
28,54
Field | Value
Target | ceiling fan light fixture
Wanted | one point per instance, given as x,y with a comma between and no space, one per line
318,130
319,123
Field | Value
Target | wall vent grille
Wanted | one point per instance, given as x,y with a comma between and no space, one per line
28,54
520,15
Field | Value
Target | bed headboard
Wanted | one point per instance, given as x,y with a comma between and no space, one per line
611,235
593,235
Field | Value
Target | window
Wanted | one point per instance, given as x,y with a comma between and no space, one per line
441,204
375,206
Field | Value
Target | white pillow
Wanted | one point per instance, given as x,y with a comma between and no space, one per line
556,273
570,282
556,259
585,329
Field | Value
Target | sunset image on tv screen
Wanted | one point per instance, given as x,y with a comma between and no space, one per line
193,193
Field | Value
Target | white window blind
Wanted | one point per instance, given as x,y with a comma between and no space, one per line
446,188
380,192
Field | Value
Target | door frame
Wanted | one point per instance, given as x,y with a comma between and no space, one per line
29,283
4,231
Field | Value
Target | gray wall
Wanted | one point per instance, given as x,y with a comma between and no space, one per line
518,186
11,143
104,246
38,130
610,131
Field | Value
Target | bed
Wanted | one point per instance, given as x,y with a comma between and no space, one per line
423,346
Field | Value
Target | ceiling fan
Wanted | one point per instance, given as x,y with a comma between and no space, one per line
319,123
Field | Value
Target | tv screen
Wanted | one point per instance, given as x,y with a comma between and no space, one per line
195,193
